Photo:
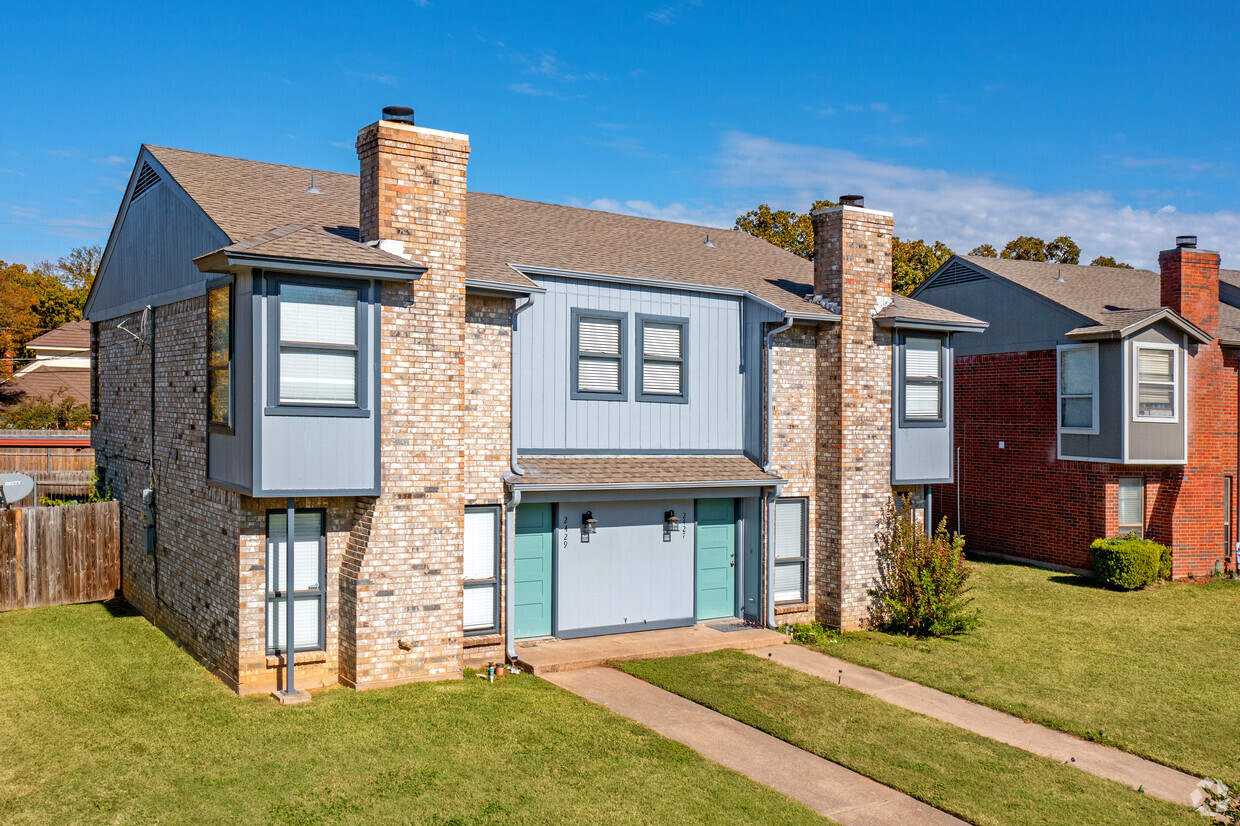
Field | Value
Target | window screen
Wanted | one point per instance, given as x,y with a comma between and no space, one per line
318,345
481,570
309,573
923,379
789,585
1077,380
1155,383
1131,504
219,355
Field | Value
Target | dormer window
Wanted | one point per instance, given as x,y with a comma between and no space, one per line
1155,368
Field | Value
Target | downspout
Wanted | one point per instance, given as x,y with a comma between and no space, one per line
510,541
770,397
770,554
512,390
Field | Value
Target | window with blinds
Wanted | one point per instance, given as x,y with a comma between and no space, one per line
1131,504
1078,387
309,580
598,355
923,380
789,584
318,357
661,373
219,356
481,570
1155,387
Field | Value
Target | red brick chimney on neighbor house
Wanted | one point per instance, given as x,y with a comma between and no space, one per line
400,585
1190,282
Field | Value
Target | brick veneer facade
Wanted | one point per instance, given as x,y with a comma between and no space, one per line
1023,501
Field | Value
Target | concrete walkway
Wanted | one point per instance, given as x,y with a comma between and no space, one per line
550,655
830,789
1103,761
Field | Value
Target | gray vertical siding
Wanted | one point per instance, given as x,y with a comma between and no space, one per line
549,420
1108,443
1150,440
921,455
758,319
1019,320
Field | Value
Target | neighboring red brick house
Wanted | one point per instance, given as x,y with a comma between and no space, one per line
1099,401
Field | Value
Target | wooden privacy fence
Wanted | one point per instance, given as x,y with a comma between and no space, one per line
59,556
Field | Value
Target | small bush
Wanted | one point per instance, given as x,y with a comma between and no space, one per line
810,634
922,580
1129,562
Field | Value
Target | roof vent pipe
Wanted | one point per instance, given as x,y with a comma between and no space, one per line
314,190
1186,242
853,200
398,114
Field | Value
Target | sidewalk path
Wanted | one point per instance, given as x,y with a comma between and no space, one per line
828,788
1103,761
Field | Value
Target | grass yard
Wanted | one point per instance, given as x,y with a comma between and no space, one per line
103,719
970,776
1155,672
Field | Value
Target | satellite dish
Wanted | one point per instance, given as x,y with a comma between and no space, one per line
16,486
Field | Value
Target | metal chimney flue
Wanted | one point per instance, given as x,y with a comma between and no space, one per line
398,114
1186,242
852,200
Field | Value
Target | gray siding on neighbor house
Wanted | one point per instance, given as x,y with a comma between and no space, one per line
1153,440
549,420
1019,320
921,454
626,575
759,318
151,257
1108,444
230,456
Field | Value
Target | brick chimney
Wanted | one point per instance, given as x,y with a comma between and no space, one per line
400,583
1190,282
852,272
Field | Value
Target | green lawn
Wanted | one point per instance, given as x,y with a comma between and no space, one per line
1155,672
980,780
103,719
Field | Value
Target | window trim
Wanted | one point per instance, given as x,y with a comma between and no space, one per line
902,378
225,426
321,592
578,313
1137,347
639,393
1120,528
802,560
275,407
1093,430
493,581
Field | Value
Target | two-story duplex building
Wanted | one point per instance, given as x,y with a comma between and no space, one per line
488,419
1099,401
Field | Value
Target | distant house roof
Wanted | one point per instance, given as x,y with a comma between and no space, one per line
73,336
256,203
47,380
1104,296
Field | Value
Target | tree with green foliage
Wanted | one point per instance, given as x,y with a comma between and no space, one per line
1109,261
912,262
1062,250
784,228
984,251
54,411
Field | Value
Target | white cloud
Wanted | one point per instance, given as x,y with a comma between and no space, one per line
709,216
112,160
965,210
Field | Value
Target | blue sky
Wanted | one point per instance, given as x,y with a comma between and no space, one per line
1117,124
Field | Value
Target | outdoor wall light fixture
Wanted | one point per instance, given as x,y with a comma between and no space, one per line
671,523
589,525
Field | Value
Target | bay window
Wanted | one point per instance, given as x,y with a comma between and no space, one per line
1078,388
922,385
219,356
317,345
1155,371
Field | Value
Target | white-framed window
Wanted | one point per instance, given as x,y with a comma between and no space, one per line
1155,370
922,384
318,345
661,369
790,546
309,579
1131,504
1077,377
481,570
599,341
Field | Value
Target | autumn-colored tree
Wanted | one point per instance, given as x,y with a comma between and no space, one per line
984,251
912,262
1109,261
793,231
33,301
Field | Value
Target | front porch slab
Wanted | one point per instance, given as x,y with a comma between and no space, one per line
551,655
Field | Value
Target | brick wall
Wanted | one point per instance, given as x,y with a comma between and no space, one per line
1022,501
189,587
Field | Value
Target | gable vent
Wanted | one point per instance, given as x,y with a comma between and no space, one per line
148,179
957,273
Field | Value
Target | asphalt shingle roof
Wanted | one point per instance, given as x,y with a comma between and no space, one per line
557,472
903,307
302,240
72,336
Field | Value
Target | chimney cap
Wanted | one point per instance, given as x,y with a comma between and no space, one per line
398,114
852,200
1187,242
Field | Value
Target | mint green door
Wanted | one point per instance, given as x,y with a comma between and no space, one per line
716,558
532,571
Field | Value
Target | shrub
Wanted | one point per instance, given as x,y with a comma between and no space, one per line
810,634
922,580
1130,562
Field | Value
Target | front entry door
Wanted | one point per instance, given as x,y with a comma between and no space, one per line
532,571
716,558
